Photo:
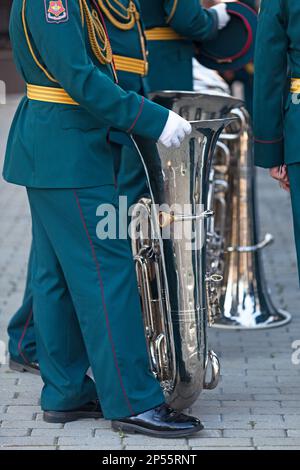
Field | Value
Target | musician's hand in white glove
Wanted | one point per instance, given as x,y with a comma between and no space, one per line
175,130
223,16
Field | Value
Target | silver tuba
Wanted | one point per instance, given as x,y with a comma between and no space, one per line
234,245
171,268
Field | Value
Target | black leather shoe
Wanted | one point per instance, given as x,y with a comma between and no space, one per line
31,367
161,421
90,410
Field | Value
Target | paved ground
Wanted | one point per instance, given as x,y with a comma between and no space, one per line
257,404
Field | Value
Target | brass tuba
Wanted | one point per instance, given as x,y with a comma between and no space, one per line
171,269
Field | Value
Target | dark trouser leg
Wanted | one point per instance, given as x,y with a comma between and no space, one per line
294,176
60,347
22,345
101,280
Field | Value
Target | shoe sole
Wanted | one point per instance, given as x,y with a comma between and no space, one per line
17,367
66,417
118,426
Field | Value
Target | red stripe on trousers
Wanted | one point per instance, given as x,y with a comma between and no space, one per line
23,336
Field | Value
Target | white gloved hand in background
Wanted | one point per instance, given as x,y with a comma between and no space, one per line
223,16
175,130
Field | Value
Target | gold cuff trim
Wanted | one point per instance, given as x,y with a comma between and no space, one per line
49,95
129,64
162,34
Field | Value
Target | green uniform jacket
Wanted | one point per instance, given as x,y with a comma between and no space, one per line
123,41
171,61
59,146
126,43
276,117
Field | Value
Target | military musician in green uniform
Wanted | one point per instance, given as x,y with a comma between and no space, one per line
124,24
171,28
85,299
125,30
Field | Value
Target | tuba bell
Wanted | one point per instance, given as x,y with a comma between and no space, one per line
234,246
170,267
241,299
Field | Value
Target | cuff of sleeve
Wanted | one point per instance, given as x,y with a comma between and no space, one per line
150,120
268,154
215,24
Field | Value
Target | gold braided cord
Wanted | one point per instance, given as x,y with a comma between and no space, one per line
96,33
132,15
143,47
127,11
38,63
81,13
174,7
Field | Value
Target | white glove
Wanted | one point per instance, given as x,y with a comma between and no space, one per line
175,130
223,16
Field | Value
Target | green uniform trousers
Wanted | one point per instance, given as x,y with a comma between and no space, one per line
131,182
22,344
86,297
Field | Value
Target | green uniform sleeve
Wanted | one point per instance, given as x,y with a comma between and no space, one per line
270,80
63,50
190,19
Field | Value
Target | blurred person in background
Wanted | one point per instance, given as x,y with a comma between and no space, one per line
276,98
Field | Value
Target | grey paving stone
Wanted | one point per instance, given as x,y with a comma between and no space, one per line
89,424
292,422
14,432
220,442
205,411
23,410
136,439
275,419
90,447
211,433
157,447
222,448
239,405
20,447
282,447
254,433
31,424
285,397
293,433
276,441
82,433
104,439
26,441
269,409
291,412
